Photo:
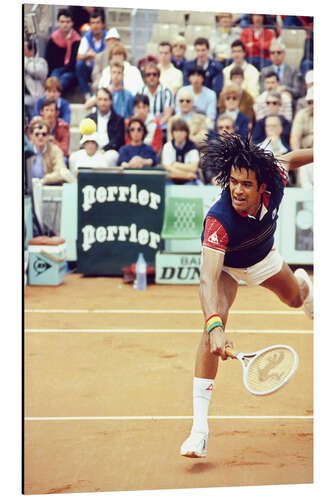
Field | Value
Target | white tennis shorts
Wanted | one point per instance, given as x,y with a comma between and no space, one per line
258,273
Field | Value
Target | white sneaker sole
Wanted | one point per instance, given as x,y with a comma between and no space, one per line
308,303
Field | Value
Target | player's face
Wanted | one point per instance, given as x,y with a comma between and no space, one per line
244,190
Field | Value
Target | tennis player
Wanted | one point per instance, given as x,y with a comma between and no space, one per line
238,244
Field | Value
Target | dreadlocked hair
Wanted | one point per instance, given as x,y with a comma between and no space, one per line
223,151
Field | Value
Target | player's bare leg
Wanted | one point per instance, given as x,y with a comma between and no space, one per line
294,289
206,366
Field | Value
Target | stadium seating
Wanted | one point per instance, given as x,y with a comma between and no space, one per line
200,18
171,17
165,32
193,32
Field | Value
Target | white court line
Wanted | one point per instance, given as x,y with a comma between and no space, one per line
153,330
150,311
187,417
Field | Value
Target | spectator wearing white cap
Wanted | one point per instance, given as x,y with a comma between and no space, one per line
302,127
90,156
102,59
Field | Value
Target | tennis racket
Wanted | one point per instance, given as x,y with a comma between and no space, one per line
267,370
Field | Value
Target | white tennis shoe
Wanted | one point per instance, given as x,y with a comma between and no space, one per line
308,303
195,445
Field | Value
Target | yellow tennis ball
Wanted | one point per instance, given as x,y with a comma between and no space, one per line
87,126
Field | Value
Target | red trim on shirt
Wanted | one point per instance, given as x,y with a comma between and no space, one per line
215,236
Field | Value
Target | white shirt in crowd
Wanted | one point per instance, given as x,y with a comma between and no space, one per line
169,155
82,159
132,78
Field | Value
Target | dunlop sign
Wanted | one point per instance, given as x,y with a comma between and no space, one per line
178,269
119,215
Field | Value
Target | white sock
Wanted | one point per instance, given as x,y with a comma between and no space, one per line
202,392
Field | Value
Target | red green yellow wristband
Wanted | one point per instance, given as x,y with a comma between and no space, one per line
212,322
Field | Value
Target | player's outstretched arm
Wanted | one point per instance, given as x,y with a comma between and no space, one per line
211,269
297,158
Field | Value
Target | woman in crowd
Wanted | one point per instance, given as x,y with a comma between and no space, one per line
137,154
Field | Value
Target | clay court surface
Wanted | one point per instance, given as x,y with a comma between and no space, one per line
108,391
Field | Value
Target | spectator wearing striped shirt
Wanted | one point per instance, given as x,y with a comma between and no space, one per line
161,99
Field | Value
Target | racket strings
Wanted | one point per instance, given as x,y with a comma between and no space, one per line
270,369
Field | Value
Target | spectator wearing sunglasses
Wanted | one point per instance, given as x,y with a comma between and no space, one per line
204,98
231,96
137,154
161,99
272,84
48,163
246,102
180,156
273,103
290,78
198,124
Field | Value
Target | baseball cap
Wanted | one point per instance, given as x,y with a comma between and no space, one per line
112,33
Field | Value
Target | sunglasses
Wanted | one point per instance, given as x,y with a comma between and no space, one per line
44,134
279,52
135,129
228,127
151,74
231,98
275,103
185,100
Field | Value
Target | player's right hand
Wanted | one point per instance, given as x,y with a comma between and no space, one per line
218,342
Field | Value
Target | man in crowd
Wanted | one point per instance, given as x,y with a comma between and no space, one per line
213,77
102,58
246,102
251,74
231,95
273,102
204,98
122,99
91,44
272,83
59,129
302,128
35,73
154,132
273,131
61,50
178,52
52,88
198,123
161,99
224,36
48,164
290,78
110,126
170,76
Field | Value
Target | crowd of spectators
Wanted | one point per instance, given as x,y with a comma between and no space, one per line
157,114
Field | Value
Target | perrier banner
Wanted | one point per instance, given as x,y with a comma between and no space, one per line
119,215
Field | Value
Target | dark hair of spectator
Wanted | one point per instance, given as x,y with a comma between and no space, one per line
236,71
196,70
201,41
48,102
224,151
141,98
238,43
272,73
98,12
142,125
107,91
165,44
64,12
180,124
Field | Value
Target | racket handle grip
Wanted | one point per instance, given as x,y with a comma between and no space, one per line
231,352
